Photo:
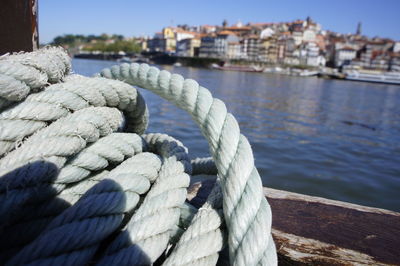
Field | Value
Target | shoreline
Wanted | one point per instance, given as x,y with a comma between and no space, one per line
218,64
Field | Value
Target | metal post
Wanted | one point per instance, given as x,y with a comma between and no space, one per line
18,26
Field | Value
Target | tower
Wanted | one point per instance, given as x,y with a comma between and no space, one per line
358,32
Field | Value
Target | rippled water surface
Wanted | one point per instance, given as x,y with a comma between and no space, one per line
330,138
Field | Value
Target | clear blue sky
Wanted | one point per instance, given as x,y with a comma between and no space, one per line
134,18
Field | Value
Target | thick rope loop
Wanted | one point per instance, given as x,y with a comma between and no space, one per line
148,232
39,159
22,73
59,100
247,213
78,174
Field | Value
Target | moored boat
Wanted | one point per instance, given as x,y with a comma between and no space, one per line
242,68
378,77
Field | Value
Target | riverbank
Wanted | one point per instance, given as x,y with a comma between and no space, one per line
246,66
165,59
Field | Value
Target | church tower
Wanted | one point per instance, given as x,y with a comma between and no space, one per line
358,32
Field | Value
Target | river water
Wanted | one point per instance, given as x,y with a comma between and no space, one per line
330,138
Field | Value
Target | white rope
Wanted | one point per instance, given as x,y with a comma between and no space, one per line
63,167
112,149
79,230
147,234
59,100
38,160
25,72
203,239
246,211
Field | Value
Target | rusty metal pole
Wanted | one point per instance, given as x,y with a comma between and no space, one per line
18,26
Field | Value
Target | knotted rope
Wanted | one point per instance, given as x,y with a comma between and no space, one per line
81,193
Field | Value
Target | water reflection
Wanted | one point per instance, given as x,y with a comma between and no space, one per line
329,138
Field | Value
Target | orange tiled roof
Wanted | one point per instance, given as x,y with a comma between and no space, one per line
226,32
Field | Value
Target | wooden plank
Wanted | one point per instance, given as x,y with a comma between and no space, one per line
18,26
316,231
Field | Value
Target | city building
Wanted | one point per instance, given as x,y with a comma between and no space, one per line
344,55
188,47
251,47
216,46
395,62
300,42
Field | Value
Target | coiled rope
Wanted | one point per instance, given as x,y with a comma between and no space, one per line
22,73
80,192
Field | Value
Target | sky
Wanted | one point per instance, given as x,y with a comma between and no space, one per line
139,18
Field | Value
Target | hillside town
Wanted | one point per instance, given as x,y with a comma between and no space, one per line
297,43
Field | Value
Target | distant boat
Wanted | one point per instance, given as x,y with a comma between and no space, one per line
303,72
382,77
124,60
177,64
140,60
309,73
244,68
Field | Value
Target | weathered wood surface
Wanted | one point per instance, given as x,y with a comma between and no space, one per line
317,231
18,26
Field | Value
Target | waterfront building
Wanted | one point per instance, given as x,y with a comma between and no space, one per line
188,47
268,49
380,61
395,62
251,47
216,46
281,46
292,54
313,58
234,50
207,47
370,50
344,55
156,44
164,41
